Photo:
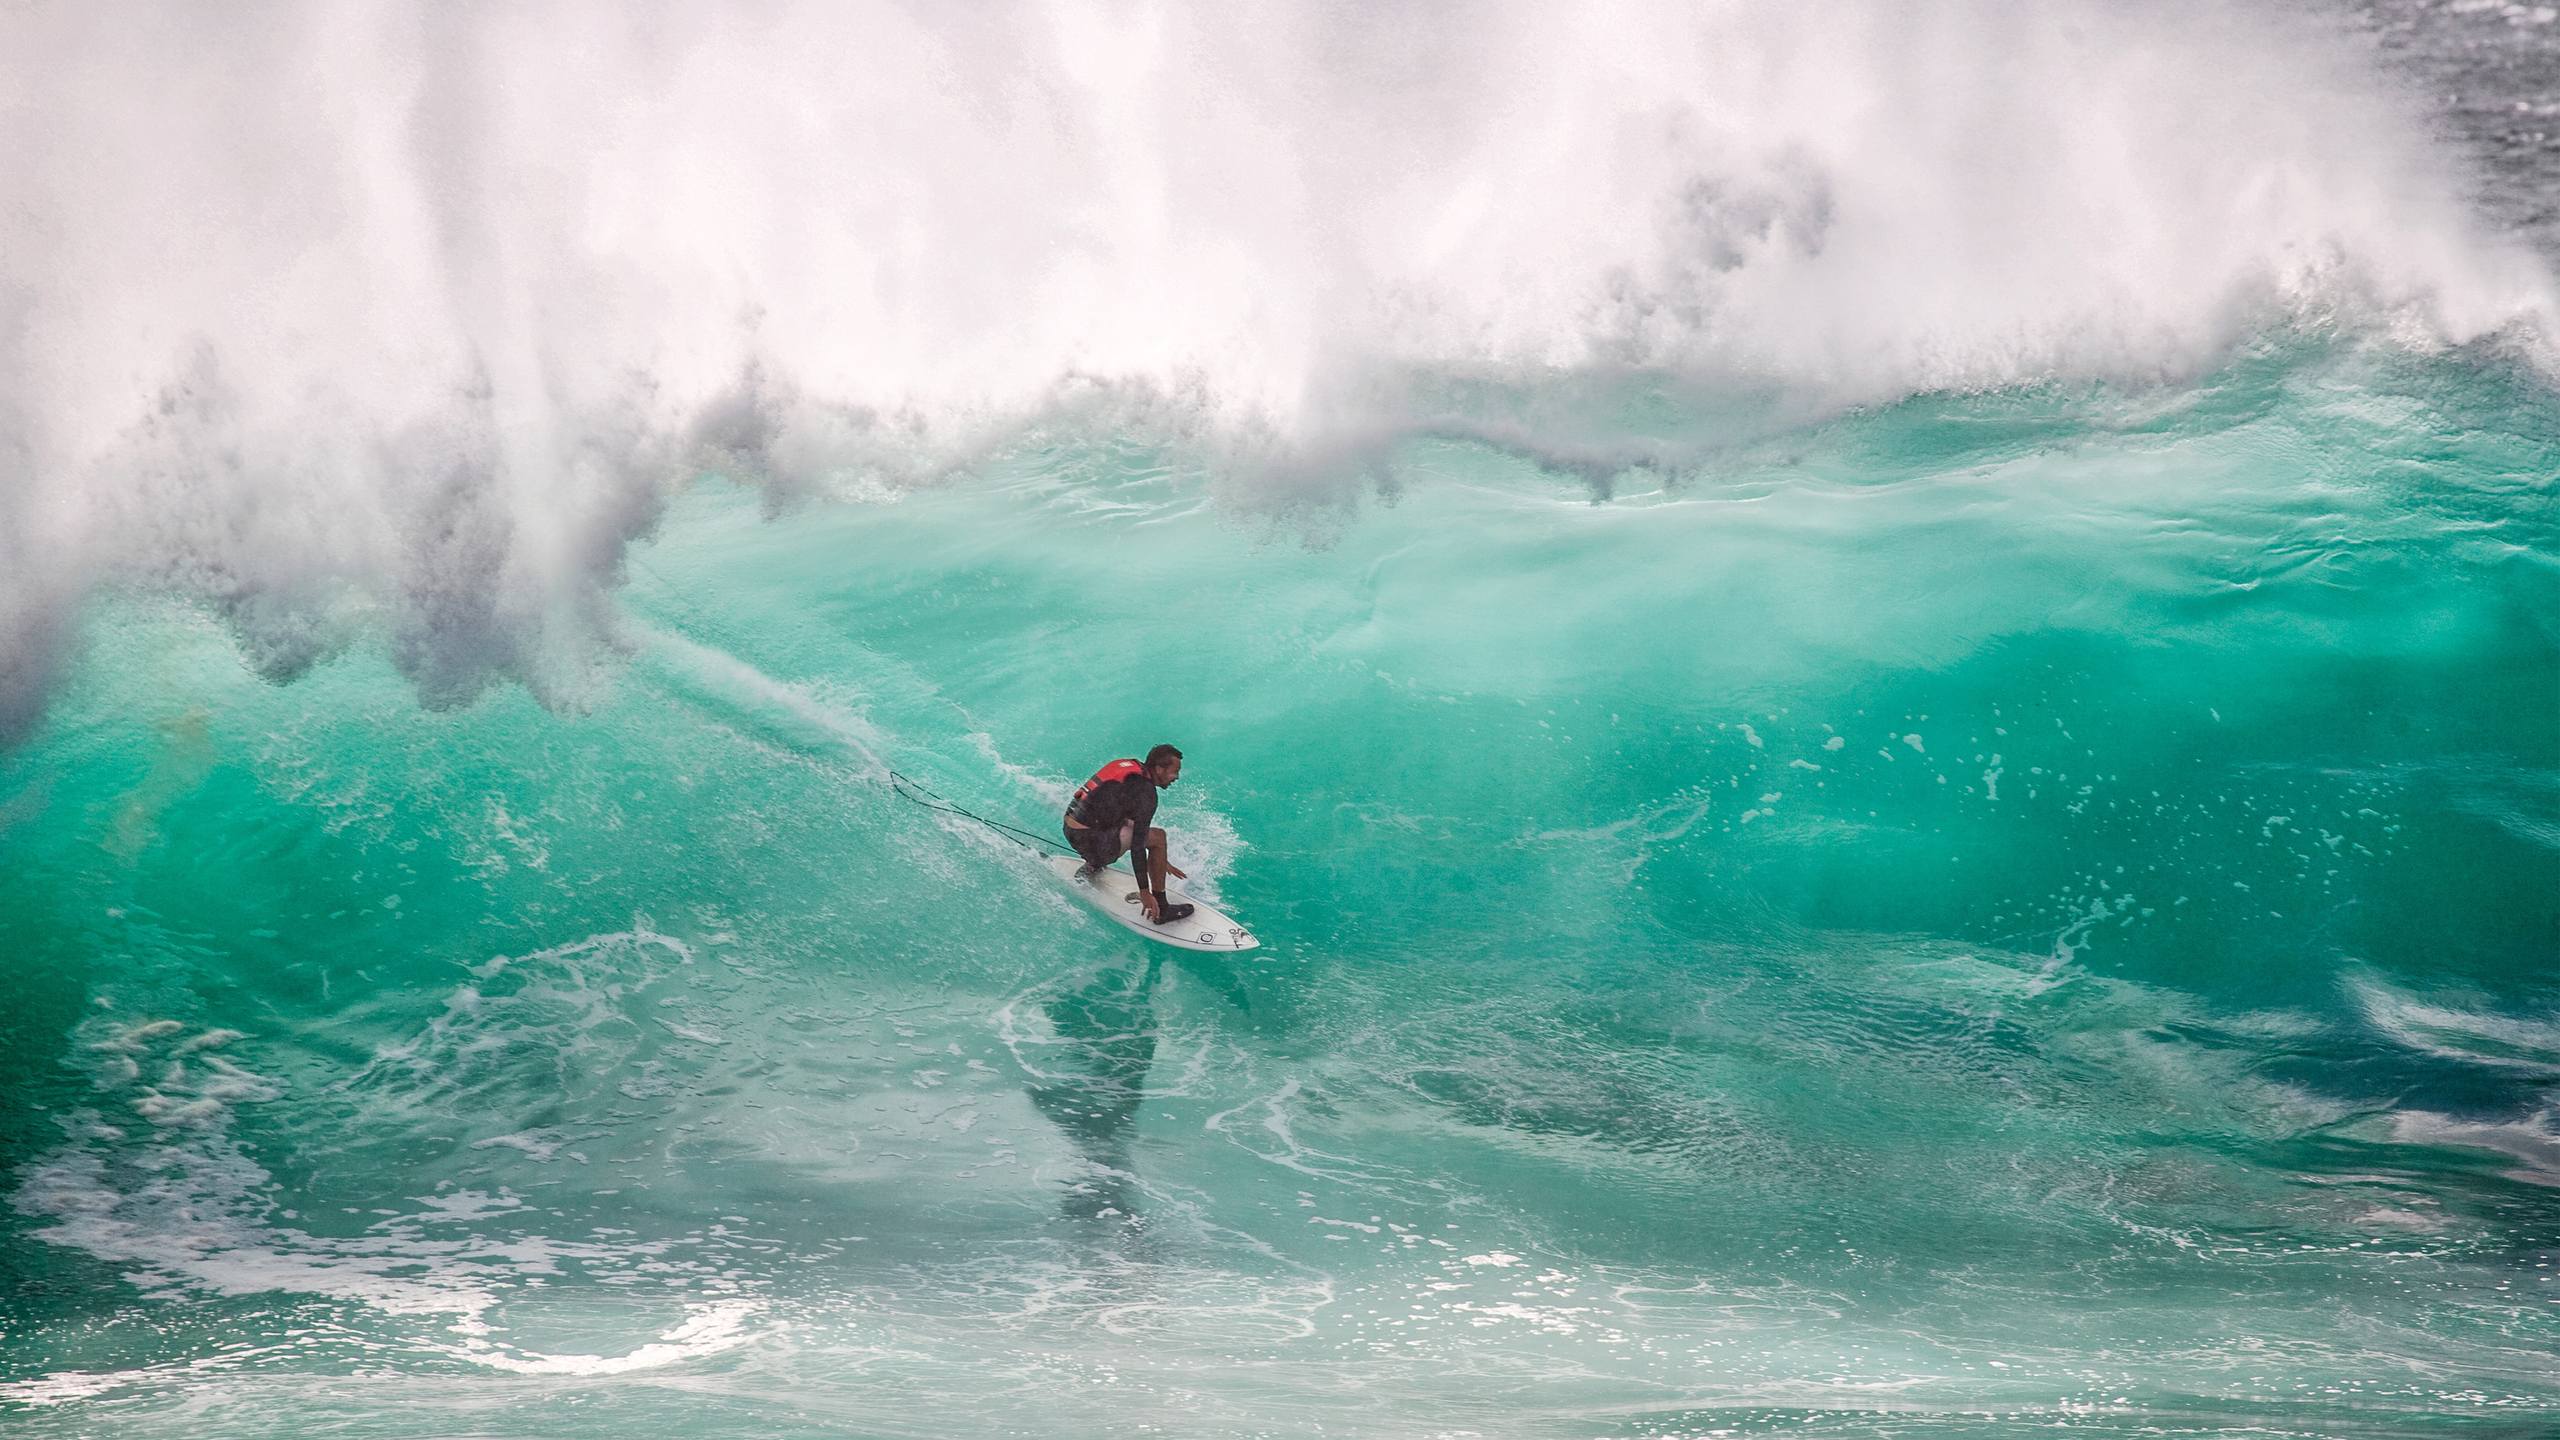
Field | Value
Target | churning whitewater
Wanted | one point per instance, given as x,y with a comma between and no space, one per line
1883,684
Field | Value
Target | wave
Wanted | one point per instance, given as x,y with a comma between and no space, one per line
381,323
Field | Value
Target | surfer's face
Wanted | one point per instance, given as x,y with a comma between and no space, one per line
1165,772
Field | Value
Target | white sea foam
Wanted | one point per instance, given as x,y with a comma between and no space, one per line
178,1206
705,1330
748,698
2451,1032
2532,1142
66,1385
1204,842
539,1144
365,318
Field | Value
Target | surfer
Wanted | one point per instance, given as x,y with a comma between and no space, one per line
1114,812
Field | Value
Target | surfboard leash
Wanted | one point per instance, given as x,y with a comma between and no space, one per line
904,786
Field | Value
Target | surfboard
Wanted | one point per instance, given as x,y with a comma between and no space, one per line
1116,896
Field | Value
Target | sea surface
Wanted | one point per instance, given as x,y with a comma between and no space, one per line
1889,707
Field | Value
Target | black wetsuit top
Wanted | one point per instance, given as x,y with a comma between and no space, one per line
1103,806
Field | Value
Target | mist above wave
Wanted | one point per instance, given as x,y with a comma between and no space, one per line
370,320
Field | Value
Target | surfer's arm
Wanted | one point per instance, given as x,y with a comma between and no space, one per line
1140,851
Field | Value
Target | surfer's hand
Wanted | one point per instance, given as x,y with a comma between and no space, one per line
1147,903
1176,871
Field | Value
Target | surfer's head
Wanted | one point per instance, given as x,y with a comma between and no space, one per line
1164,765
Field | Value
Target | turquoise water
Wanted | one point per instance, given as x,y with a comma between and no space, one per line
1884,680
1986,914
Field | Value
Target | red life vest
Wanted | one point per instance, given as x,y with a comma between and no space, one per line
1117,770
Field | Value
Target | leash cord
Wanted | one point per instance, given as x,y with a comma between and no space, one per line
903,785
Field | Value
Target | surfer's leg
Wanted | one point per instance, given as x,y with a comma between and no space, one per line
1173,910
1096,848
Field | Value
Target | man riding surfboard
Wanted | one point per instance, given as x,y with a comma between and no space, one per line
1114,812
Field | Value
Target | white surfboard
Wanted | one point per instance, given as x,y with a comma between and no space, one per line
1114,892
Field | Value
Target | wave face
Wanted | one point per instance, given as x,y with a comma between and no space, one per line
1883,684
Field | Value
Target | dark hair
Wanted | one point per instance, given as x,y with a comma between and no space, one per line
1161,754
